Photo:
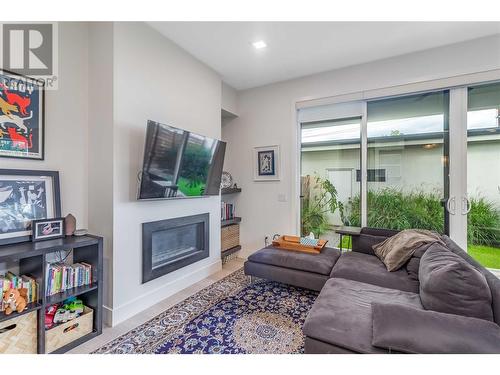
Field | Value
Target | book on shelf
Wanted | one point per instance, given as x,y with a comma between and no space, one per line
62,276
12,281
227,211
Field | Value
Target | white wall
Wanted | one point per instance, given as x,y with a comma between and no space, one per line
229,100
267,118
100,160
155,79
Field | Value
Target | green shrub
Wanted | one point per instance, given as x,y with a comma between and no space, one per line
393,209
483,223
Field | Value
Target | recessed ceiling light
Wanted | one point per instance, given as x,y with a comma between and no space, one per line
430,146
259,44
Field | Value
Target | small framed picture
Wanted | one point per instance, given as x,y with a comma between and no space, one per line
47,229
267,163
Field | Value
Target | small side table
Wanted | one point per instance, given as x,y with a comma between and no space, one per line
347,231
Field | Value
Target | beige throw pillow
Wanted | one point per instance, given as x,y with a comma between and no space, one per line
395,251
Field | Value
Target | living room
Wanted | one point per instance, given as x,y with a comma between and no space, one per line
204,188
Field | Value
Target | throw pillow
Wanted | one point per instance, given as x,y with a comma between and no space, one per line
395,251
450,285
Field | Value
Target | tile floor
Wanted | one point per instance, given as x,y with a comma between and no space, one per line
110,333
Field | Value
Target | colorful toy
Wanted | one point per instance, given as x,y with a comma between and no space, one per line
73,304
63,316
14,300
49,316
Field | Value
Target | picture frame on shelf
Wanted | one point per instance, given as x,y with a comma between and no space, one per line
22,116
266,161
47,229
26,195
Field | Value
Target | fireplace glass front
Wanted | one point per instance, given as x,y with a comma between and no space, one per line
174,243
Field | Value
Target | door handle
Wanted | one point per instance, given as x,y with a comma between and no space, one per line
466,205
451,206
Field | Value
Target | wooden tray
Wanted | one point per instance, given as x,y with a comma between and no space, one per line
293,243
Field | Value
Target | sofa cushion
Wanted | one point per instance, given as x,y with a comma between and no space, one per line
321,263
302,279
449,284
369,269
492,280
395,251
410,330
342,314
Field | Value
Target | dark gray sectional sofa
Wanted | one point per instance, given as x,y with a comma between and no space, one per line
363,308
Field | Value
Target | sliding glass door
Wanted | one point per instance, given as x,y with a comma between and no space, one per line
330,170
481,203
429,160
407,164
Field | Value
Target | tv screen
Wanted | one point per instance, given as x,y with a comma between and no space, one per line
180,164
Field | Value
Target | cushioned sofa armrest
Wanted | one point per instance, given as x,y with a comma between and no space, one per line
411,330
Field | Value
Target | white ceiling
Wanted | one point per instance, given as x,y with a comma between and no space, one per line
296,49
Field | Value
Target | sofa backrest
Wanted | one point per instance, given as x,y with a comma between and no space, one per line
492,280
379,232
369,237
363,245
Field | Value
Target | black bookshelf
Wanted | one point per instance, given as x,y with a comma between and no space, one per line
33,259
73,292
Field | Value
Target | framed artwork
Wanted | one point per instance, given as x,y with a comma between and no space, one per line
46,229
266,163
26,195
22,101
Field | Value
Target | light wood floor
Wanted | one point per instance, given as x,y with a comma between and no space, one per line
110,333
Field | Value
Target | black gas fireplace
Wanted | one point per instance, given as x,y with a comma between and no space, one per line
168,245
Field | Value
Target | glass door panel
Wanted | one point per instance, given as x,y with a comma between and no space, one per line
330,176
407,163
483,175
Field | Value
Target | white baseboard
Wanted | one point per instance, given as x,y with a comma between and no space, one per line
116,315
107,315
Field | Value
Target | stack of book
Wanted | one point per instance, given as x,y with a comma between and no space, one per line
227,211
61,277
12,281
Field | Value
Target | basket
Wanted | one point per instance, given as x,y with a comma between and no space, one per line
230,236
70,331
18,335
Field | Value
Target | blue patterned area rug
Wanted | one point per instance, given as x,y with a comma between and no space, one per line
231,316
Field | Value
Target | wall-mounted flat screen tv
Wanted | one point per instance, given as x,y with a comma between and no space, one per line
180,164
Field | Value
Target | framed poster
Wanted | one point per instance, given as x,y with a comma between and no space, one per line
25,196
22,113
266,163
